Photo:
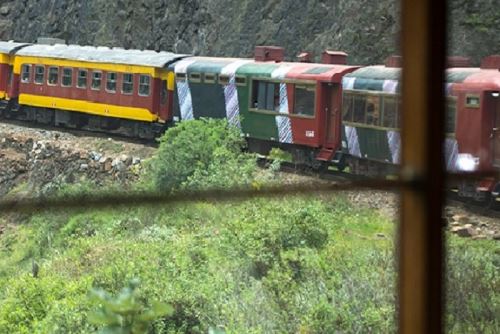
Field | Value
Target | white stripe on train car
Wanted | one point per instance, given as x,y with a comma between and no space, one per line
183,90
231,92
283,123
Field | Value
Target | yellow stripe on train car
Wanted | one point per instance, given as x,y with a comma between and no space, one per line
20,60
100,109
4,58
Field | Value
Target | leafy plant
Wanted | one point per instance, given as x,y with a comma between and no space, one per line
124,314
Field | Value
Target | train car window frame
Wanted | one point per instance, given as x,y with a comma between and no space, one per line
209,78
96,77
450,102
127,83
24,72
224,79
264,96
387,122
307,88
195,77
81,79
39,75
144,84
240,80
64,77
180,76
347,108
53,72
111,80
376,114
472,101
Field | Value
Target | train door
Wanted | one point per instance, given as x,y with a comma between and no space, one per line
496,129
331,95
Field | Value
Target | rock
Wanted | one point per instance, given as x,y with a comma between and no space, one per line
463,231
461,219
136,161
496,236
4,10
84,167
118,165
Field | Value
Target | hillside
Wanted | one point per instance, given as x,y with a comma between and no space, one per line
366,29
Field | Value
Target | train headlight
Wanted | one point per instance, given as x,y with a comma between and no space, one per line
467,162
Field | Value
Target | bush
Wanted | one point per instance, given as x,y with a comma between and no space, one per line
199,149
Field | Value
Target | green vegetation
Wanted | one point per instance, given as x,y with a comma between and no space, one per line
287,265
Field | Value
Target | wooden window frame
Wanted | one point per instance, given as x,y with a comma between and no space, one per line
42,74
209,78
70,77
23,66
150,80
472,96
57,76
194,77
113,81
78,77
131,83
93,79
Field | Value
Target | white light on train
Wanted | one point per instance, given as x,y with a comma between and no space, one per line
467,163
495,94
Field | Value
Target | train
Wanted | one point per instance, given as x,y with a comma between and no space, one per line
324,114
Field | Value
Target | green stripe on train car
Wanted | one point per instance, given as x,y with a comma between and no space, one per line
373,144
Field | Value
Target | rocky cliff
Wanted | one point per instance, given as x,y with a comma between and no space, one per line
366,29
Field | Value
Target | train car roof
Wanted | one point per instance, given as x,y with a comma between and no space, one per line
10,46
387,79
93,54
250,67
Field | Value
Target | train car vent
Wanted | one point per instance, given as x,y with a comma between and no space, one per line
334,57
491,62
305,57
269,53
394,61
457,61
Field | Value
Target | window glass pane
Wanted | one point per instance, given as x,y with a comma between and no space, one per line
273,96
261,95
96,80
359,108
26,73
451,112
304,101
144,85
347,108
111,82
67,77
128,83
53,76
373,110
82,79
390,112
39,74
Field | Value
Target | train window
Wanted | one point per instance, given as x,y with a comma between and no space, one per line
39,74
144,85
347,108
195,77
241,81
25,73
304,100
96,80
67,77
472,101
111,82
359,107
180,76
82,79
451,114
128,83
163,92
53,78
209,78
373,110
265,95
224,79
390,112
